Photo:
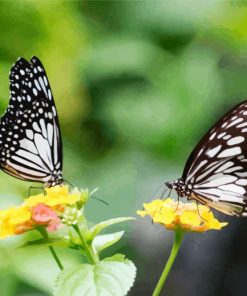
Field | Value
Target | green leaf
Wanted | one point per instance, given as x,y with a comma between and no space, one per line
109,277
102,225
37,268
52,242
101,242
116,257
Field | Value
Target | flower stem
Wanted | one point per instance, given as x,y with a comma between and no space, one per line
54,254
93,258
44,233
175,248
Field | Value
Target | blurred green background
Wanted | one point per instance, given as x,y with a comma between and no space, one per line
136,84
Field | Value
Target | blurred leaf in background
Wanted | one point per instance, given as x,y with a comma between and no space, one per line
136,84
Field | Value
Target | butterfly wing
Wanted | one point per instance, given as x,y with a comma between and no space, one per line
217,168
31,140
43,88
17,96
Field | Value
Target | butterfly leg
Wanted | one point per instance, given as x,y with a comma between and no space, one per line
34,187
177,203
198,210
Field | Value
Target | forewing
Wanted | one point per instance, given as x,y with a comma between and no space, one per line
217,168
18,96
31,144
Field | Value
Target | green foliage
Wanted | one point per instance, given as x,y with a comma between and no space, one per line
112,276
136,83
104,241
96,229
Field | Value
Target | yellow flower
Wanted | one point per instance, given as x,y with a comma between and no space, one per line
190,218
57,191
20,215
6,229
73,197
28,215
183,216
34,200
56,196
166,214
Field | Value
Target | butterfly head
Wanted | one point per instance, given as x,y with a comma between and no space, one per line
178,185
56,178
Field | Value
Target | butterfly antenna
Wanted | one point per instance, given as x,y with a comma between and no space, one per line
163,193
66,181
157,190
101,200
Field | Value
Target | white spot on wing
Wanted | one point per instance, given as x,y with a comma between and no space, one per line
243,174
227,137
235,140
201,164
241,125
212,152
43,150
28,145
233,188
219,181
234,169
43,86
50,133
221,135
235,122
29,134
224,167
242,182
212,136
36,127
43,127
230,152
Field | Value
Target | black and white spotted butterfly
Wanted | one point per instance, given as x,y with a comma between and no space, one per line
30,138
215,173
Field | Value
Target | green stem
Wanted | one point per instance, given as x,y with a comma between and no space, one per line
54,254
44,233
175,248
93,258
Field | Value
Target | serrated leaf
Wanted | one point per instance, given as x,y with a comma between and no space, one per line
108,277
102,225
104,241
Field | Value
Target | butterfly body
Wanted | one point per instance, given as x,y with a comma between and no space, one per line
180,186
215,173
30,137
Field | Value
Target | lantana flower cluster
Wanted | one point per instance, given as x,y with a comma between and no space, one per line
44,209
176,215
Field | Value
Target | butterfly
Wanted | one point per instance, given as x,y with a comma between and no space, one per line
30,137
215,173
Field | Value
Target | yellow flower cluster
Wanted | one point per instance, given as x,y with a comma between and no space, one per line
17,220
184,216
55,197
